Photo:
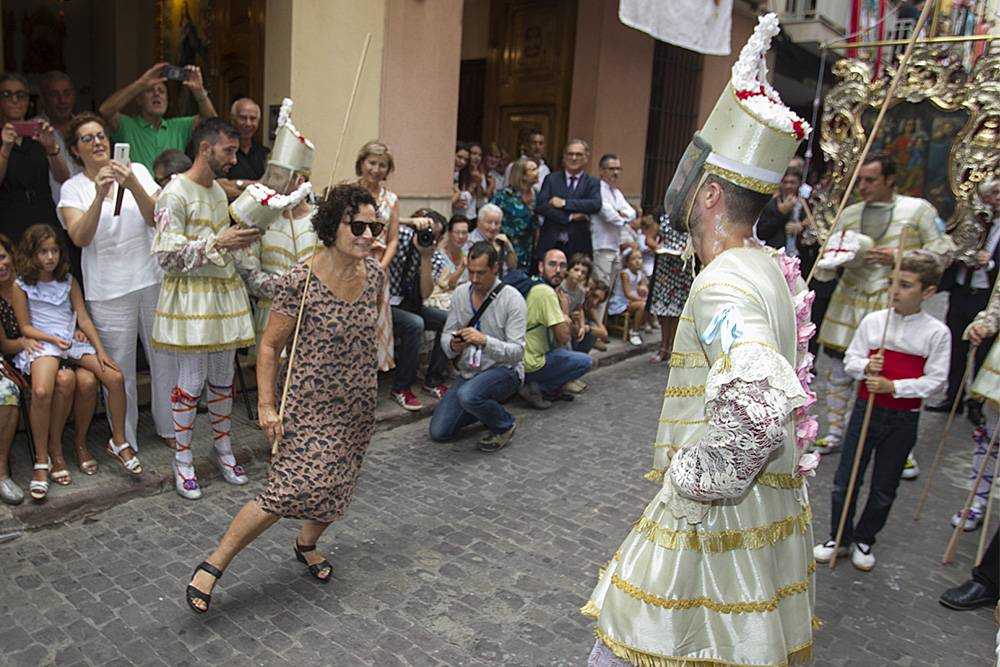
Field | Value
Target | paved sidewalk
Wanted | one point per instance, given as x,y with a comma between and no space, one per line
112,485
452,557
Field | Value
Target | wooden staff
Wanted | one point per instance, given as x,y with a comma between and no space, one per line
903,64
985,529
305,288
969,363
856,465
949,552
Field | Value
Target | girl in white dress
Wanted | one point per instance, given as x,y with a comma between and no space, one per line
49,307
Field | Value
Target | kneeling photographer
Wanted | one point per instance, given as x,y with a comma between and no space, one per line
410,282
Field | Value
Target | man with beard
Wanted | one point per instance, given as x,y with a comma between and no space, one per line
718,569
149,133
548,365
203,313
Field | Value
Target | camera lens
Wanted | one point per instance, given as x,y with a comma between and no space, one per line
425,237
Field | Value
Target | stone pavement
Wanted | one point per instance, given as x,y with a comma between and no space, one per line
448,556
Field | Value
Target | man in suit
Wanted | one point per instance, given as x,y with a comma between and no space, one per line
566,201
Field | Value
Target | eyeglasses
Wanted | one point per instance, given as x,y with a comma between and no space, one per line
358,227
19,95
88,138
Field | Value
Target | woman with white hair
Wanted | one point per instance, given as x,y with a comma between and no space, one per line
488,229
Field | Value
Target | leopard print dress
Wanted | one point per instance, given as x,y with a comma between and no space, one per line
330,414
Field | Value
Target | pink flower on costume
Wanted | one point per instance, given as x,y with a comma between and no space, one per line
807,464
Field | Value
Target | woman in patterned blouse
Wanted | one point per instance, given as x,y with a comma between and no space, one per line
517,201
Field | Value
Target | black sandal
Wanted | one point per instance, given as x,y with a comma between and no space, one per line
314,570
194,594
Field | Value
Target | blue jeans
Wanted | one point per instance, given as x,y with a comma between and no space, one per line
408,331
561,366
476,400
891,436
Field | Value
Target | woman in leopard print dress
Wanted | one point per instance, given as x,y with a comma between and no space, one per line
330,414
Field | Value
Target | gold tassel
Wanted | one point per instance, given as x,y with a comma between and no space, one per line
590,610
655,475
817,623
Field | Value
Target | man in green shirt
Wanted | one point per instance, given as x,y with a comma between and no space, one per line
149,133
548,364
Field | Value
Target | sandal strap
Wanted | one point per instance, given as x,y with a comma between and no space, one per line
322,565
118,449
43,466
211,569
304,549
37,484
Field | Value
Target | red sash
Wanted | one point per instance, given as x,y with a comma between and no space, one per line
897,366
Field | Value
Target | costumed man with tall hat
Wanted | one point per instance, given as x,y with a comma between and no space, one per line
279,206
203,313
863,246
718,570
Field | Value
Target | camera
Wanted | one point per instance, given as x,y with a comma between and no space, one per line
425,238
174,73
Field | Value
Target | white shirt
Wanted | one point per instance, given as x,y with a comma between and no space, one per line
981,276
74,168
606,225
918,334
119,259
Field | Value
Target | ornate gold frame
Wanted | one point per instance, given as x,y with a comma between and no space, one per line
935,74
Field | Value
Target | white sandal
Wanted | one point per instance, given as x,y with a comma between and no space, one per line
132,465
39,489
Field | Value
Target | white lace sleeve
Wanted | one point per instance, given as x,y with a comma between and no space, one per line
746,423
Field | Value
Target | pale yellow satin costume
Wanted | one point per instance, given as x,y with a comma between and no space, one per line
987,382
726,582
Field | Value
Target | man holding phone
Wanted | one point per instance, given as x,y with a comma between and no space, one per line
150,133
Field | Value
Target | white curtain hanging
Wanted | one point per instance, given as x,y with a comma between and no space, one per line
699,25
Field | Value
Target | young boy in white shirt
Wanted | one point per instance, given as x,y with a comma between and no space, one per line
914,365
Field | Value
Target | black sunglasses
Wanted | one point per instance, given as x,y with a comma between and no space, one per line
358,227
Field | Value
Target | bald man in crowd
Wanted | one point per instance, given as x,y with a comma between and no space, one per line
251,157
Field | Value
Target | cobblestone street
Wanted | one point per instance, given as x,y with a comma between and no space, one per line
448,556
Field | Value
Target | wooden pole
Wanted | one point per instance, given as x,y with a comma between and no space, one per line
969,363
866,423
903,64
985,528
305,287
949,552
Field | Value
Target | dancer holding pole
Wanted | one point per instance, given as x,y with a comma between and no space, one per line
901,353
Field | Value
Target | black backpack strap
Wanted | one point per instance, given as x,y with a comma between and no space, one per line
486,304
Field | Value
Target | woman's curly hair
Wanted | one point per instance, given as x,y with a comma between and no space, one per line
342,199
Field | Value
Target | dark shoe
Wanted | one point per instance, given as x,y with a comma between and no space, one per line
559,396
316,569
194,594
497,441
944,407
533,397
976,415
970,595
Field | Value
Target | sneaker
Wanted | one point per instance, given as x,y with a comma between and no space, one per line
826,445
635,339
824,552
575,386
497,441
972,520
407,400
437,391
533,396
862,557
911,470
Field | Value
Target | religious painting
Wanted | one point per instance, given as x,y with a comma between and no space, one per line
183,28
917,139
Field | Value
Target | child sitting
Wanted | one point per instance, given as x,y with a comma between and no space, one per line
631,290
574,286
597,294
650,228
914,366
49,307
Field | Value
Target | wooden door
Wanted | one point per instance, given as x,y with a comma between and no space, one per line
237,54
529,72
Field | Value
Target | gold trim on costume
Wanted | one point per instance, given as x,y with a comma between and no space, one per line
688,360
747,293
655,475
684,391
223,347
206,316
684,422
751,607
761,343
686,318
800,655
714,542
780,480
747,182
590,610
